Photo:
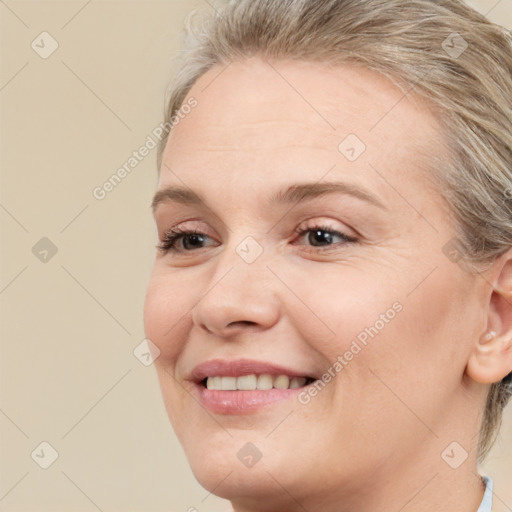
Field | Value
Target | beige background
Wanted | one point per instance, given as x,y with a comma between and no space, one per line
70,325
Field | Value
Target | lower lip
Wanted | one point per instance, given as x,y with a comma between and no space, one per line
243,402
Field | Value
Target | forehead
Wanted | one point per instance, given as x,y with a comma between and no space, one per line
266,117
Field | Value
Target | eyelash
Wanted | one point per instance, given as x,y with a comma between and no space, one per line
168,244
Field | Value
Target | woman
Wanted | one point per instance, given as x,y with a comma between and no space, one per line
332,292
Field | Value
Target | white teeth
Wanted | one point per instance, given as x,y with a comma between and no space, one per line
228,383
264,382
251,382
282,382
213,382
247,382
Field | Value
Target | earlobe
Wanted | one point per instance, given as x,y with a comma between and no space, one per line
491,359
491,356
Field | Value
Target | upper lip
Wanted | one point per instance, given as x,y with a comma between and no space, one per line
239,367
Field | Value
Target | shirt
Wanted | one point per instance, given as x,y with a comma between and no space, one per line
486,505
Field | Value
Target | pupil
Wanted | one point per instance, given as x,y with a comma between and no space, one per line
195,239
321,236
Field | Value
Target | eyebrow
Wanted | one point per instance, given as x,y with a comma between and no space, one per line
292,194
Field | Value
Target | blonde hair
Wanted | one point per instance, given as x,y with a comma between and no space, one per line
452,57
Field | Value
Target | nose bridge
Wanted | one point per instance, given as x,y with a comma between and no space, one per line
240,291
245,260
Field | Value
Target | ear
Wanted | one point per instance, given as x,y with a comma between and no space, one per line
491,357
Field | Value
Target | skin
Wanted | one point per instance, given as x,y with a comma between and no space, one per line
372,438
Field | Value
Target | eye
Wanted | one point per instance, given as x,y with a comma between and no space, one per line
324,237
190,240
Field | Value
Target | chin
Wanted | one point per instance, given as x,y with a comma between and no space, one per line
255,487
231,467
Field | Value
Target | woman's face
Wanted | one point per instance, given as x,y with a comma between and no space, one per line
354,287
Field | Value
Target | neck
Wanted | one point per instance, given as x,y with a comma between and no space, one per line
418,488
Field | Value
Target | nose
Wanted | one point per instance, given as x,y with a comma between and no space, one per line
238,297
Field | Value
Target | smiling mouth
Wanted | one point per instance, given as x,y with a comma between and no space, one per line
252,382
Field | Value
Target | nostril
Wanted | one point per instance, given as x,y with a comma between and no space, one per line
241,322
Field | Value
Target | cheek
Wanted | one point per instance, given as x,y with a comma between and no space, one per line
342,305
165,316
420,355
164,325
406,329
